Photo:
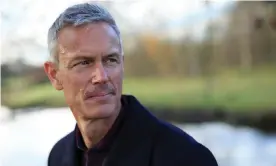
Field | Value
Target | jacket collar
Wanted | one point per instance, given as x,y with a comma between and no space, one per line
106,143
134,140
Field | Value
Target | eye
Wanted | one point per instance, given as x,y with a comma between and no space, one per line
112,60
85,62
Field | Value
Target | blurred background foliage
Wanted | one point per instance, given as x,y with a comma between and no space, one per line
232,67
207,66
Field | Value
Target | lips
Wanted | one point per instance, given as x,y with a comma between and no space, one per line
89,95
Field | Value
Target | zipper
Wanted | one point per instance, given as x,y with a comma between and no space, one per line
104,162
86,158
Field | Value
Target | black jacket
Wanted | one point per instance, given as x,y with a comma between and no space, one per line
143,140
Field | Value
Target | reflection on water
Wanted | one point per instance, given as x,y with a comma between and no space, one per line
27,140
236,146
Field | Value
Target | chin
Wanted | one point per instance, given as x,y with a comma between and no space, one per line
100,111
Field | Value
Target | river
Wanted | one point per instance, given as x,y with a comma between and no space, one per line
27,139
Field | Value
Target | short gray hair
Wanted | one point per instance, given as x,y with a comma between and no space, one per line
77,15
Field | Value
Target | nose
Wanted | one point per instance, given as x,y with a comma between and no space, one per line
100,75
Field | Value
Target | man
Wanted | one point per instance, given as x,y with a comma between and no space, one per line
112,129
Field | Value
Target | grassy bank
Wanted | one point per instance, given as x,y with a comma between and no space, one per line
229,90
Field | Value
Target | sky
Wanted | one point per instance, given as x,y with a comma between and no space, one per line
24,23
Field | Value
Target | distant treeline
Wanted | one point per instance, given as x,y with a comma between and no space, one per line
248,41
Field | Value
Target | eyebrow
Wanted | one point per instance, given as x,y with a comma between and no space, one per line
86,57
113,54
80,57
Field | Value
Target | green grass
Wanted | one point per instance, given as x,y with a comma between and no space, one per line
231,90
257,92
39,95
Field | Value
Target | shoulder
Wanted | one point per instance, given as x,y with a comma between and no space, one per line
57,150
167,131
177,147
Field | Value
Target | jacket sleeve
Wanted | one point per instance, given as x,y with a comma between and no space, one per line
177,148
55,155
203,156
196,155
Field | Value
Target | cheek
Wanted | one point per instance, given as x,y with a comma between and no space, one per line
73,83
117,78
72,80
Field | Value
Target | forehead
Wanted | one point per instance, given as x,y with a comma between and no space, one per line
96,38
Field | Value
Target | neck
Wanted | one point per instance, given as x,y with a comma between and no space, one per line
93,131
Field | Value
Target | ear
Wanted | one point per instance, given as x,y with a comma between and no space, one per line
51,70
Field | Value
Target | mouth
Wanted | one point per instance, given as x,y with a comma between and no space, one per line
89,96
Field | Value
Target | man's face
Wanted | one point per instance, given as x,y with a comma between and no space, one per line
90,71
